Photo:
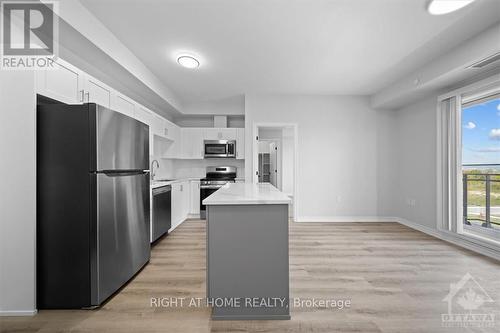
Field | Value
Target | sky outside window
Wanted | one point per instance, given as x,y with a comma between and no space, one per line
481,133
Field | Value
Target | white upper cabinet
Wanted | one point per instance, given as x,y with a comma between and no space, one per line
157,125
65,83
123,104
220,134
70,85
144,115
174,144
171,131
240,143
97,92
191,143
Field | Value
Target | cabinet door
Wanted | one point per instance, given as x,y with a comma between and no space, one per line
97,92
123,105
144,115
174,141
197,144
240,143
220,134
171,131
191,143
228,133
65,83
186,199
157,125
176,204
195,197
186,147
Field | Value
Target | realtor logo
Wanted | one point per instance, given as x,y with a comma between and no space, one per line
29,34
465,299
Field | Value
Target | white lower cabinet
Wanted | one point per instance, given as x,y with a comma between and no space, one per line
180,202
186,199
195,198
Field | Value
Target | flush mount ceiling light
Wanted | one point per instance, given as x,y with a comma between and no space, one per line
440,7
188,61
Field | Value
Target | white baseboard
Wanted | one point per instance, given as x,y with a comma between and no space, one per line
340,219
453,239
18,313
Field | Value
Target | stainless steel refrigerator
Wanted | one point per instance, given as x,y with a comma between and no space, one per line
92,203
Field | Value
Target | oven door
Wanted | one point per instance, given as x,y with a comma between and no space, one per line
216,149
205,192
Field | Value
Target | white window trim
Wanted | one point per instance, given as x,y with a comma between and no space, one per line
449,195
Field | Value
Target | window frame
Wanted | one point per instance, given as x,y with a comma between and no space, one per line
449,159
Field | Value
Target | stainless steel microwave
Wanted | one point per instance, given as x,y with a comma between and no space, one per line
220,148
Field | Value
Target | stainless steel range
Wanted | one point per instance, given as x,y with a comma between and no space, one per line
215,178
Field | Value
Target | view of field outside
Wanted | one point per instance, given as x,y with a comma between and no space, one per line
481,163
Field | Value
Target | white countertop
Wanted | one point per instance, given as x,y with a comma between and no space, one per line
247,194
160,183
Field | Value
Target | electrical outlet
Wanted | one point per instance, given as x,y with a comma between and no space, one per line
339,199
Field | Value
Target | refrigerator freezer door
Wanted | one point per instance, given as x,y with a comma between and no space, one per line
123,236
122,142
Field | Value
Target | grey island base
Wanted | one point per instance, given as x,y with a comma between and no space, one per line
247,252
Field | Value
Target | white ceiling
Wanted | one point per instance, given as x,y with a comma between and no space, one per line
286,46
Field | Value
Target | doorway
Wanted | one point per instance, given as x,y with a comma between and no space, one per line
274,158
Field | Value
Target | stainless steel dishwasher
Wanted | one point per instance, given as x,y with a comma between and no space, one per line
162,208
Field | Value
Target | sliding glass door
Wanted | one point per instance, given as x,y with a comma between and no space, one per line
468,170
480,149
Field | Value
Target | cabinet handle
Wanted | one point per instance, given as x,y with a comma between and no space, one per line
88,96
82,98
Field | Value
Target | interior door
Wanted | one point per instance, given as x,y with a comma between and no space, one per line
123,229
122,142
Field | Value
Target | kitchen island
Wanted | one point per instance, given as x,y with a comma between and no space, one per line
247,252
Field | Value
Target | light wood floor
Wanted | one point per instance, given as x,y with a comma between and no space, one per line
395,277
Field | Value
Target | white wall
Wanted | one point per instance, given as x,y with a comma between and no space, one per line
287,161
387,163
17,193
414,145
228,106
337,151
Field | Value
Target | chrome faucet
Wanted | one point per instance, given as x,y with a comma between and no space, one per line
153,168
